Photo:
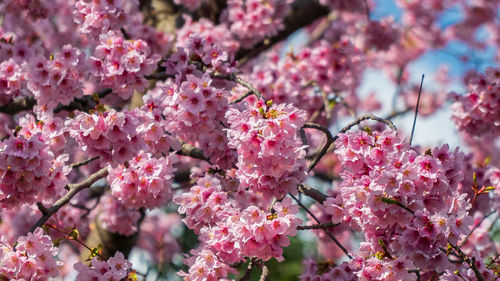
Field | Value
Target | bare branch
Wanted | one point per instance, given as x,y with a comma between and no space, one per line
73,190
476,227
312,193
242,97
416,109
248,272
470,261
326,230
84,162
193,152
331,139
84,104
317,226
234,78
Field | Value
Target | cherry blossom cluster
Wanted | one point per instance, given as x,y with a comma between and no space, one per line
156,236
121,64
204,204
205,265
32,259
253,20
477,112
16,222
194,112
255,233
51,128
250,232
213,34
97,17
115,268
407,204
29,170
271,158
195,52
380,35
374,268
11,81
58,79
326,271
111,135
116,217
145,182
307,78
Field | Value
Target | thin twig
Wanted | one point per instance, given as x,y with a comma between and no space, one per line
470,261
476,227
242,97
73,190
326,230
397,114
399,80
84,162
239,80
397,203
416,108
493,261
331,139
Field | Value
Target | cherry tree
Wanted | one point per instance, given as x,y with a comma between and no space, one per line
190,140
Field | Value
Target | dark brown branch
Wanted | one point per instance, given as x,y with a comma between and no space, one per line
326,230
329,141
470,261
416,109
73,190
84,104
241,98
84,162
248,272
193,152
317,226
240,81
18,106
312,193
302,13
397,203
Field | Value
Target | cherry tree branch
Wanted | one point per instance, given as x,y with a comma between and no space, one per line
302,13
84,162
317,226
248,272
84,104
193,152
73,190
476,227
470,261
312,193
326,230
331,139
265,273
239,80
